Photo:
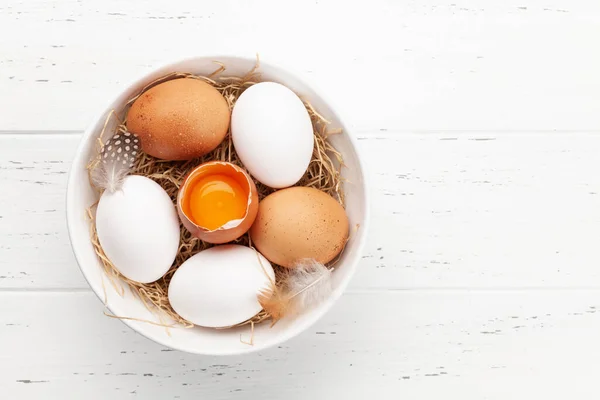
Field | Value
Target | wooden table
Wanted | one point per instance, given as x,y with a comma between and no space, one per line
480,123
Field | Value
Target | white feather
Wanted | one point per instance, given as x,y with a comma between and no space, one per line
308,283
109,177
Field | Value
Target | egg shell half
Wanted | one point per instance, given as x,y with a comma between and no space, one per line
272,134
297,223
138,229
219,287
179,119
233,229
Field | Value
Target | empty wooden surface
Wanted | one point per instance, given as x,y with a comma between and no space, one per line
480,126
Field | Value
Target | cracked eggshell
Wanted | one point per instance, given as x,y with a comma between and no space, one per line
232,229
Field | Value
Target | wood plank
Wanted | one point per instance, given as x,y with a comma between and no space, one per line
484,210
433,64
467,344
456,210
35,250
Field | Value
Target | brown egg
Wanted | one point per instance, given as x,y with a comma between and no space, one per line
217,202
297,223
179,119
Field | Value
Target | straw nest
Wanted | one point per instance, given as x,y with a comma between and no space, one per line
323,173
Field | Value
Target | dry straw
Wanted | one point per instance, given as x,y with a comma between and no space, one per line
323,173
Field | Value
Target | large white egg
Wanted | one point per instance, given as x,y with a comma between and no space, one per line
272,134
138,229
219,287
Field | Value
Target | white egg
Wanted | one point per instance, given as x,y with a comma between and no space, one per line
138,229
272,134
219,287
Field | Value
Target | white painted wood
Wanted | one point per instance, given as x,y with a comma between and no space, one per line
454,210
35,249
434,64
417,345
479,124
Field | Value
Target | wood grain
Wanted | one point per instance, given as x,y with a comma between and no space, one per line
441,65
479,124
492,345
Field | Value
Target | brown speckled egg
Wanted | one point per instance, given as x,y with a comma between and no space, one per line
297,223
179,119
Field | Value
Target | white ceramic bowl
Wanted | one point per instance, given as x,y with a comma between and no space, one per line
201,340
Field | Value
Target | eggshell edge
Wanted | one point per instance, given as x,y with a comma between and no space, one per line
233,229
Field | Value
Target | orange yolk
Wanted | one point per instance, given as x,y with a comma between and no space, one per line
216,200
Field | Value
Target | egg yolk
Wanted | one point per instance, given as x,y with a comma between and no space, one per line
216,200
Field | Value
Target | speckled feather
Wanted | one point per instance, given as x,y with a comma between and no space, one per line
117,158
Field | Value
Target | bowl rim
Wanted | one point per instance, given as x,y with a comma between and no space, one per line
140,82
